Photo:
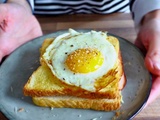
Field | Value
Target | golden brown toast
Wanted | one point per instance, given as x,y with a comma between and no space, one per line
76,102
43,83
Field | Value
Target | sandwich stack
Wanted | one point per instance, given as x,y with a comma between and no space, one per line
78,70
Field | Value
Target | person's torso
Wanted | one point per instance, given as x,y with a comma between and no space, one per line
57,7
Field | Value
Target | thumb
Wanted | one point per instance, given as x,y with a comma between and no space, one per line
152,59
3,17
154,90
3,12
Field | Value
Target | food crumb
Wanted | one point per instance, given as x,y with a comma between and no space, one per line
79,115
31,68
130,97
36,61
114,118
127,63
117,114
20,109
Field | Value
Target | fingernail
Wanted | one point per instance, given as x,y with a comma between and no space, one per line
157,66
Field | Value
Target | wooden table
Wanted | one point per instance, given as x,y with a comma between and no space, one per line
119,24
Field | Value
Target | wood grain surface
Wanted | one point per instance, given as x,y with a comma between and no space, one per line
120,24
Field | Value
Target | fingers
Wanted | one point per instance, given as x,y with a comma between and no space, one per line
38,29
152,60
154,90
149,36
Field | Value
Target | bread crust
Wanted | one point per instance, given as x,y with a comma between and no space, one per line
80,103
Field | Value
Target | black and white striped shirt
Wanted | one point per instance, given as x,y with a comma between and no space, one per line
58,7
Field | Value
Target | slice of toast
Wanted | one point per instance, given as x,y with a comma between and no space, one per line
43,83
76,102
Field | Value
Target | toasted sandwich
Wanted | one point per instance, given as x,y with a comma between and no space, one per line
103,91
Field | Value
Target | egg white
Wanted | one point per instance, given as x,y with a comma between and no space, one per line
63,45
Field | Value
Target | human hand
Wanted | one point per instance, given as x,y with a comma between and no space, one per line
17,26
149,38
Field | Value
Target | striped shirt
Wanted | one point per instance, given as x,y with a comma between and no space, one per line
58,7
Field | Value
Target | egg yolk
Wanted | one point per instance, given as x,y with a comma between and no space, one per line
84,60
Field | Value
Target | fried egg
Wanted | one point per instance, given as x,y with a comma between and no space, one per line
80,58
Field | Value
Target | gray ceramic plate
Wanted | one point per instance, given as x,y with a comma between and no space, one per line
16,69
